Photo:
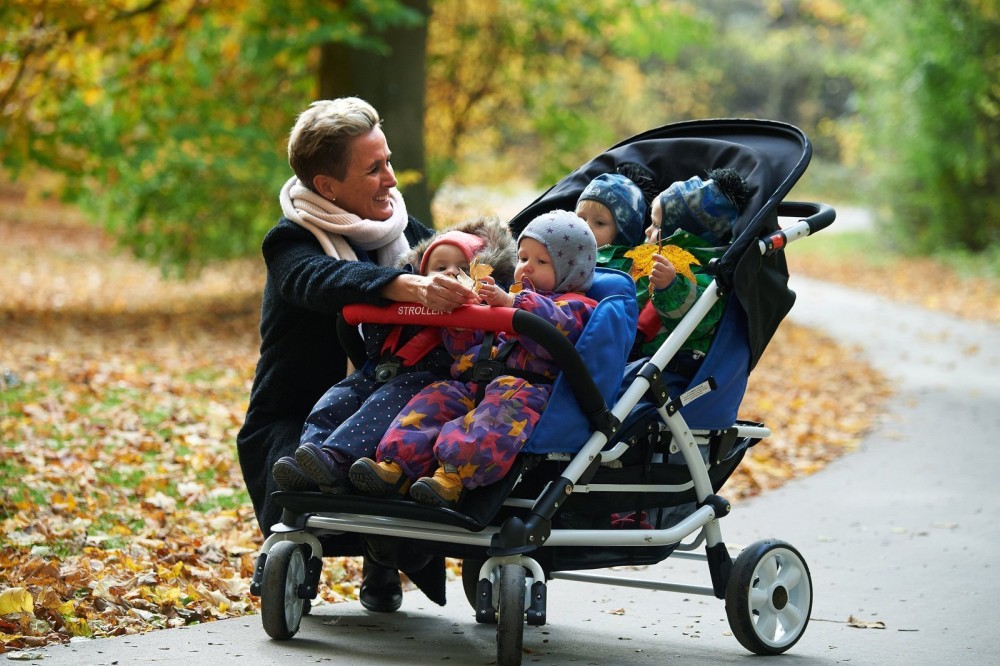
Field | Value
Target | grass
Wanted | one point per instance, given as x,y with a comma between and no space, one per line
871,250
958,283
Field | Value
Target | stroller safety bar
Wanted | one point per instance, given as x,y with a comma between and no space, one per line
505,320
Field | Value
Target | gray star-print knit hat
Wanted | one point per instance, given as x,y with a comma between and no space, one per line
570,243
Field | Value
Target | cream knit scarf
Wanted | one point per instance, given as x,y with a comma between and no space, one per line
332,225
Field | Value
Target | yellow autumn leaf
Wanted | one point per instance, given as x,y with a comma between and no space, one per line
16,600
77,626
642,260
92,96
465,280
474,278
479,270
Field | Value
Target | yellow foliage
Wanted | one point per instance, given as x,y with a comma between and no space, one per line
170,573
16,600
642,260
92,96
477,271
78,627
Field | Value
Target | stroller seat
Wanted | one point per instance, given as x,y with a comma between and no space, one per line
589,381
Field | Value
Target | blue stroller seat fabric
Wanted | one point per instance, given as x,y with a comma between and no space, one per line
604,346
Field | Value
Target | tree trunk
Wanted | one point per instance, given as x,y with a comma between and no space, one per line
394,84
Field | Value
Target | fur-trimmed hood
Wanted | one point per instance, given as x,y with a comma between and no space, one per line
500,251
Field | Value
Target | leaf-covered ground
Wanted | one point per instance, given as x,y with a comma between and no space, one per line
121,504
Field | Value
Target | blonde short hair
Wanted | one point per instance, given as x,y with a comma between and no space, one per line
320,140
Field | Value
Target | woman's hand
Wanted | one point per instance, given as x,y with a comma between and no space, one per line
436,292
494,295
663,272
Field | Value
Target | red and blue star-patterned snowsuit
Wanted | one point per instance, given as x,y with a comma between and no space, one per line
443,425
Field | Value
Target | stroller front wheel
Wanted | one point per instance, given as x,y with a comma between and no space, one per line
769,597
281,608
510,615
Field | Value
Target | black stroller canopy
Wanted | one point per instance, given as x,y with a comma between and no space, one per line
770,155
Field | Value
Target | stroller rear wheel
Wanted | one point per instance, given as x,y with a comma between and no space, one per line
281,608
769,597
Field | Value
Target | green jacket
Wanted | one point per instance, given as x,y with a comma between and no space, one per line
672,302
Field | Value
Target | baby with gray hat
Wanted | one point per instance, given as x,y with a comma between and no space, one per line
457,435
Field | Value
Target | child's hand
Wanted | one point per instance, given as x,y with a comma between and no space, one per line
663,272
494,296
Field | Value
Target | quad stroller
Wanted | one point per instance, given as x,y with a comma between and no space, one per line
627,462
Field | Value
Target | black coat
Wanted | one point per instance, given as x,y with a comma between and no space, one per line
300,356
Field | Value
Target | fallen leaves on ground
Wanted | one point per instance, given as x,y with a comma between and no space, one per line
122,508
818,406
858,623
921,281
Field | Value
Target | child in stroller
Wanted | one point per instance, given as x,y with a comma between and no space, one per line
350,418
467,431
664,451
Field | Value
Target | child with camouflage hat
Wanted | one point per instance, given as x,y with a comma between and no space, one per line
443,442
691,224
614,208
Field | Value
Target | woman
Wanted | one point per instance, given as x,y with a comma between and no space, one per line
344,226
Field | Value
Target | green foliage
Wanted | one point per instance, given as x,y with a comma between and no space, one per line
535,88
934,113
167,123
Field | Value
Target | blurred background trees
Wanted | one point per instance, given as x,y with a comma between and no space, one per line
166,120
931,108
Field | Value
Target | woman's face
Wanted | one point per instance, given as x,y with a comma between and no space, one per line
600,220
534,263
365,188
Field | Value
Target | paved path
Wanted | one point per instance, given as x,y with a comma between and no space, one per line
902,532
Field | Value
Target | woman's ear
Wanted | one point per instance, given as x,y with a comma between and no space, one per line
324,185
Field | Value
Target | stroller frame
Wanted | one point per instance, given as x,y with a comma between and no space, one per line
767,589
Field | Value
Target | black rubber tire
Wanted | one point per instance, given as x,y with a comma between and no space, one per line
510,615
281,609
769,597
